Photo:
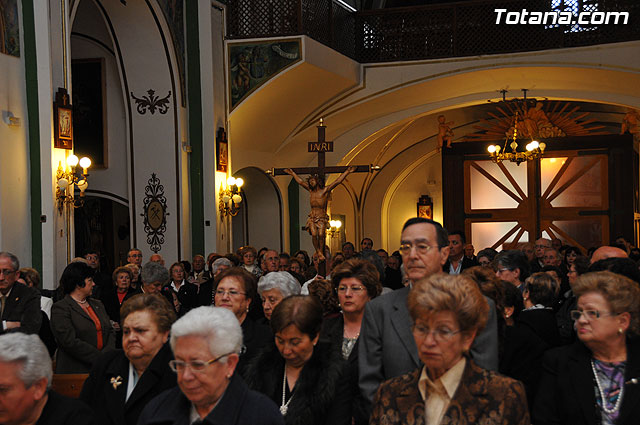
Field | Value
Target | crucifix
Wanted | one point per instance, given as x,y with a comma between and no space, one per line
319,194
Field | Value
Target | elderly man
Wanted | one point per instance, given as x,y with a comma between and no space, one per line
156,258
551,258
25,382
19,304
272,260
540,246
134,256
198,274
386,346
607,252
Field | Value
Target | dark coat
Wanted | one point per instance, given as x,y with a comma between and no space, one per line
467,263
111,301
482,397
61,410
109,403
566,392
255,336
76,336
23,305
238,406
322,394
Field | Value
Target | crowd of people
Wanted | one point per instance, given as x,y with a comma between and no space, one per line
434,333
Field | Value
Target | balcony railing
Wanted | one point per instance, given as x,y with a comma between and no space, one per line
458,29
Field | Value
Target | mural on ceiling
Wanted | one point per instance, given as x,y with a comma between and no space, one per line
173,11
9,28
253,64
536,120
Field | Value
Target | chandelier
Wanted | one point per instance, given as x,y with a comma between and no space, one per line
533,149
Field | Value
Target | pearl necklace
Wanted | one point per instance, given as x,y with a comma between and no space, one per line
604,403
285,406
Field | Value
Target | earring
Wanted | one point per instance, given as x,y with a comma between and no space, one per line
620,331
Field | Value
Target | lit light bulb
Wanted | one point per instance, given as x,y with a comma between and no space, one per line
239,182
491,149
543,146
231,181
85,162
497,148
534,144
529,147
338,224
514,145
72,160
332,223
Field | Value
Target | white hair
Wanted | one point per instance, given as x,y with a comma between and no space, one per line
31,353
217,325
220,262
282,281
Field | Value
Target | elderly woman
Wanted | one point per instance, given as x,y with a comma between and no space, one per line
113,297
135,275
248,254
80,324
206,343
235,289
122,382
181,291
305,377
512,266
595,380
534,332
273,288
447,312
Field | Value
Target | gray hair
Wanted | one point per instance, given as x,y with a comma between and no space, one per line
154,272
31,353
282,281
15,263
217,325
220,262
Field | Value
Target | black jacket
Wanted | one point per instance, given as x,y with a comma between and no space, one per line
238,406
112,302
566,392
23,305
61,410
467,263
255,336
322,394
108,402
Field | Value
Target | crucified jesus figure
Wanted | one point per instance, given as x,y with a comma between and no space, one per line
319,199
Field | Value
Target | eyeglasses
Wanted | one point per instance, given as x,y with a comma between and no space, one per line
232,292
7,272
589,314
356,289
504,270
441,334
422,248
197,366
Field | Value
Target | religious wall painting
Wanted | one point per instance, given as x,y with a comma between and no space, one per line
90,110
62,121
222,151
9,28
173,11
154,213
425,207
253,64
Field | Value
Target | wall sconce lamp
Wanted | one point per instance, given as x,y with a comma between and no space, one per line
231,197
334,229
67,177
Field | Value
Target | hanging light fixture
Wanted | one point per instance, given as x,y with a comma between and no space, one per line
533,149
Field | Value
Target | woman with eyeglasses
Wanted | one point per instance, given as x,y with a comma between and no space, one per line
122,382
235,289
356,282
248,254
596,380
304,376
447,312
206,343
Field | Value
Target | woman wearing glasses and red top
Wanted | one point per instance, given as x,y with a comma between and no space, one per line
447,312
206,343
596,380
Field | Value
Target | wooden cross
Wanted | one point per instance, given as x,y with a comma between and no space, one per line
321,146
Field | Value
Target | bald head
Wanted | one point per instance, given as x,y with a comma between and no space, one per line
607,252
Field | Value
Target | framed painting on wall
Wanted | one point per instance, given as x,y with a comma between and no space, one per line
62,121
425,207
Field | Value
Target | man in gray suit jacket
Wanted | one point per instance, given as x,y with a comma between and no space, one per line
386,345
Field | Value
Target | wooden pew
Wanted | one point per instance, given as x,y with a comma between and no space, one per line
68,385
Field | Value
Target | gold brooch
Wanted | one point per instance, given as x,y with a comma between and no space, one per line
116,382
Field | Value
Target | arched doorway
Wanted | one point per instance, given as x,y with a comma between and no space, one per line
259,223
